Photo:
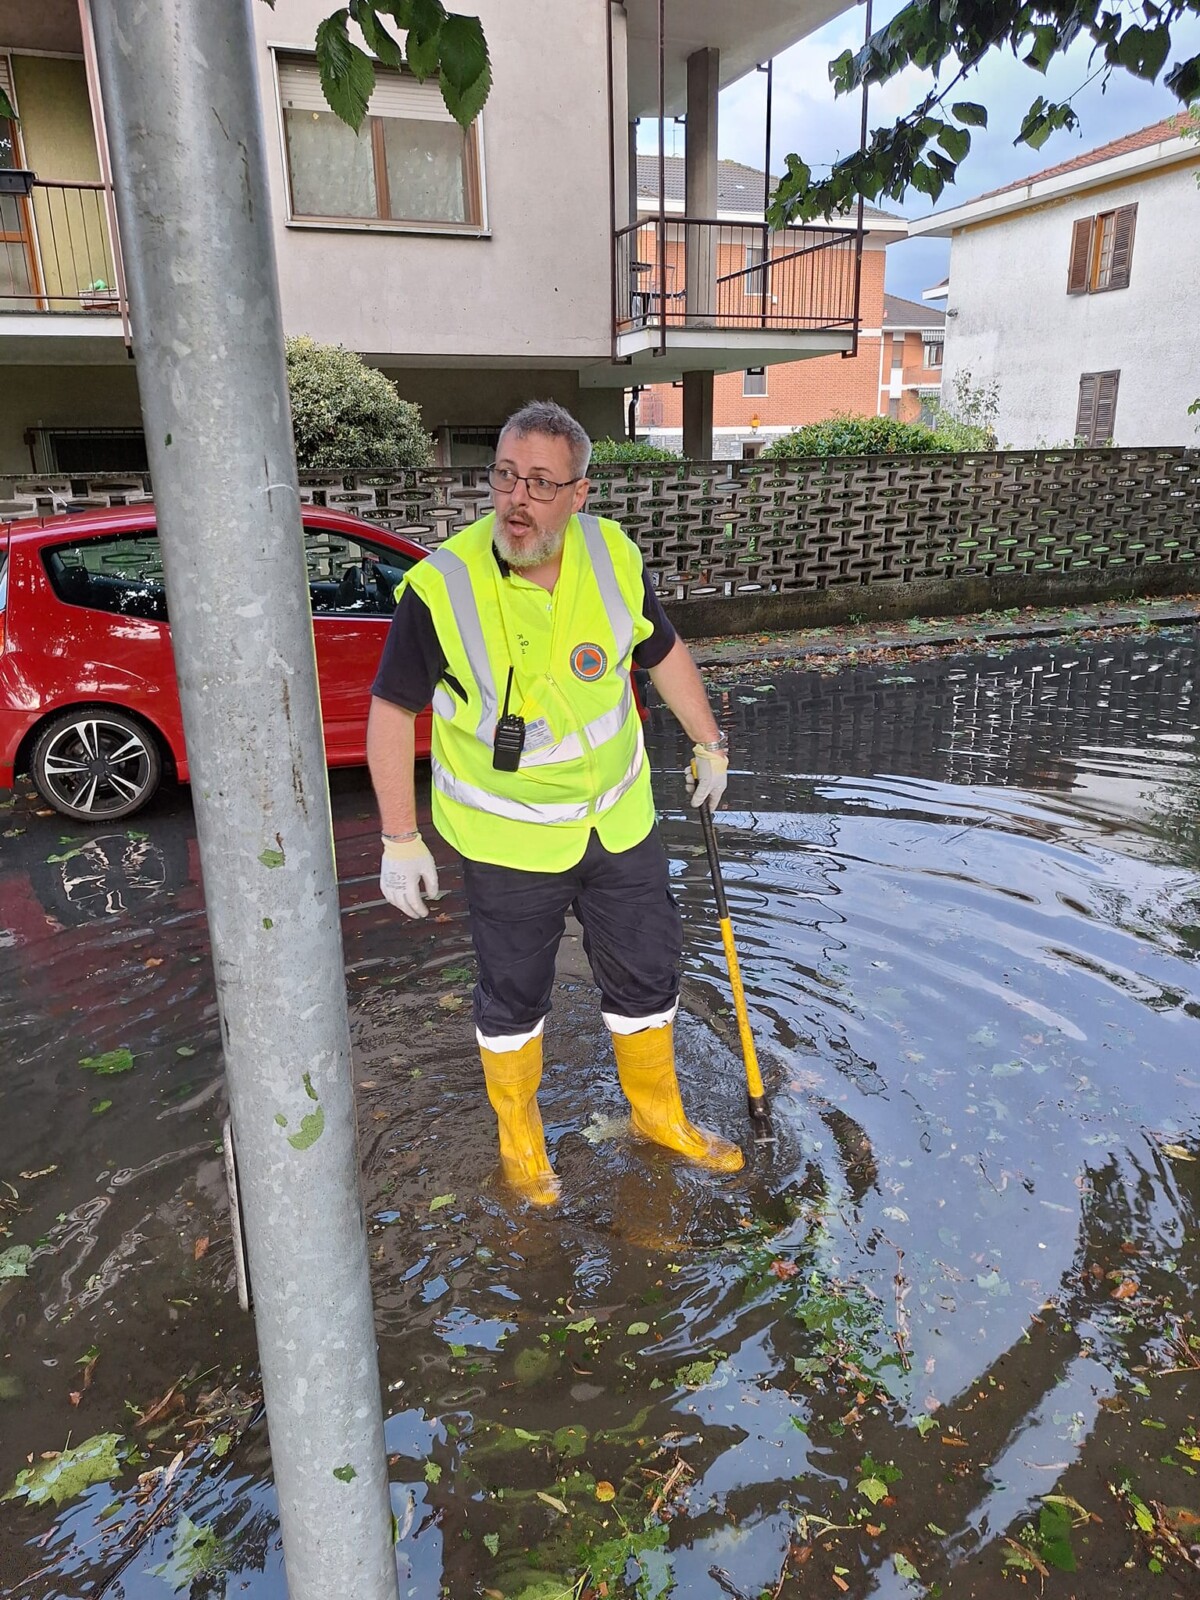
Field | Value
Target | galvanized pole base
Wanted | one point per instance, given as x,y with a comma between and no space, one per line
186,131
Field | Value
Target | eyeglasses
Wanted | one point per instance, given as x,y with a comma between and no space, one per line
504,482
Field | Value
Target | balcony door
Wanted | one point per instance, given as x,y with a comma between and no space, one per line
19,287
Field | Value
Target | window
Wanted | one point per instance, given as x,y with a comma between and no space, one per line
754,382
755,281
893,409
1102,251
410,162
1096,418
933,352
348,576
122,575
82,450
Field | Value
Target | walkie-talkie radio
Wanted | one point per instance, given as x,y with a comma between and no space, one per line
510,736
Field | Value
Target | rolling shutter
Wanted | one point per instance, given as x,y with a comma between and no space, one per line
1122,258
1079,272
396,94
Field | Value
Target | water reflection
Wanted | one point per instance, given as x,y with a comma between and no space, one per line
966,899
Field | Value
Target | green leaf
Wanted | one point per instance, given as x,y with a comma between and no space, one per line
441,1200
873,1489
423,45
96,1460
905,1568
268,857
196,1552
491,1543
14,1262
465,105
221,1444
638,1327
345,1474
101,1107
954,141
311,1128
373,31
968,111
110,1063
1054,1537
462,51
347,78
433,1473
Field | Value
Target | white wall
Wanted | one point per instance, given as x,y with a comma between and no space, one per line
539,287
1009,316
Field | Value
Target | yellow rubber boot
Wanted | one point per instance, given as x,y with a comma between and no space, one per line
646,1068
512,1078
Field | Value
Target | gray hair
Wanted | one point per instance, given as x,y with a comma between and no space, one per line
553,421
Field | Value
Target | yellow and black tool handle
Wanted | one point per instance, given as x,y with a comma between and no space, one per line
755,1092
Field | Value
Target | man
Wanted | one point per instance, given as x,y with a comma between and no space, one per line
523,630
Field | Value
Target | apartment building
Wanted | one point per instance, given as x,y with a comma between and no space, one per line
476,268
1076,292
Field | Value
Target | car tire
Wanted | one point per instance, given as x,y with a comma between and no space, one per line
96,765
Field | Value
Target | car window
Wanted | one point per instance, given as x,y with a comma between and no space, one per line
122,575
352,577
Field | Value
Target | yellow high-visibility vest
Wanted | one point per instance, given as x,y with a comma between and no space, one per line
583,765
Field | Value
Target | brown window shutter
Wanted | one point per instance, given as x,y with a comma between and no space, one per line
1122,259
1106,407
1079,272
1085,415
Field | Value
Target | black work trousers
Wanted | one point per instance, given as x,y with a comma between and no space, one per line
632,934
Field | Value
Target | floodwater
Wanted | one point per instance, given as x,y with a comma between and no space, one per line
940,1337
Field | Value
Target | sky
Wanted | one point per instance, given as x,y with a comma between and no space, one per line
807,119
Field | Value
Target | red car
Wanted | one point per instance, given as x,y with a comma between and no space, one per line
88,701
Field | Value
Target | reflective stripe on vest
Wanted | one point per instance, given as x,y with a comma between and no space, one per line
467,794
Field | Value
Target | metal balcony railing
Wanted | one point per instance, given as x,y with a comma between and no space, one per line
56,250
686,272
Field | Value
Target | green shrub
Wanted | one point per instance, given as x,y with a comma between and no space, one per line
608,450
846,435
347,415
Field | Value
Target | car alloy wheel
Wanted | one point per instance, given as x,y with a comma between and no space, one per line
96,765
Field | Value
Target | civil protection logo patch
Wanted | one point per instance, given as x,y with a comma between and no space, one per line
589,662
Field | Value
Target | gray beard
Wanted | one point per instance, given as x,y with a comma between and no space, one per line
544,549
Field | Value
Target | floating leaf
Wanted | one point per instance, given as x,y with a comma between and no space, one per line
196,1552
441,1200
873,1489
638,1327
605,1491
905,1568
550,1500
69,1472
14,1261
491,1543
110,1063
101,1107
1177,1152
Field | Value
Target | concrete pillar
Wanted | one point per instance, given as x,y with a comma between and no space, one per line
700,184
700,201
698,415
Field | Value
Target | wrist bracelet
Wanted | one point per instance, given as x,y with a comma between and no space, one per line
717,746
401,838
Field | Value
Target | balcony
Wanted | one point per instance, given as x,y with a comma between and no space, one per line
701,295
58,272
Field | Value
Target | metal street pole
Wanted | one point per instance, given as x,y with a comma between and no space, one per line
185,125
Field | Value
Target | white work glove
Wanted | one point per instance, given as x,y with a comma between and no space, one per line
408,875
707,776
